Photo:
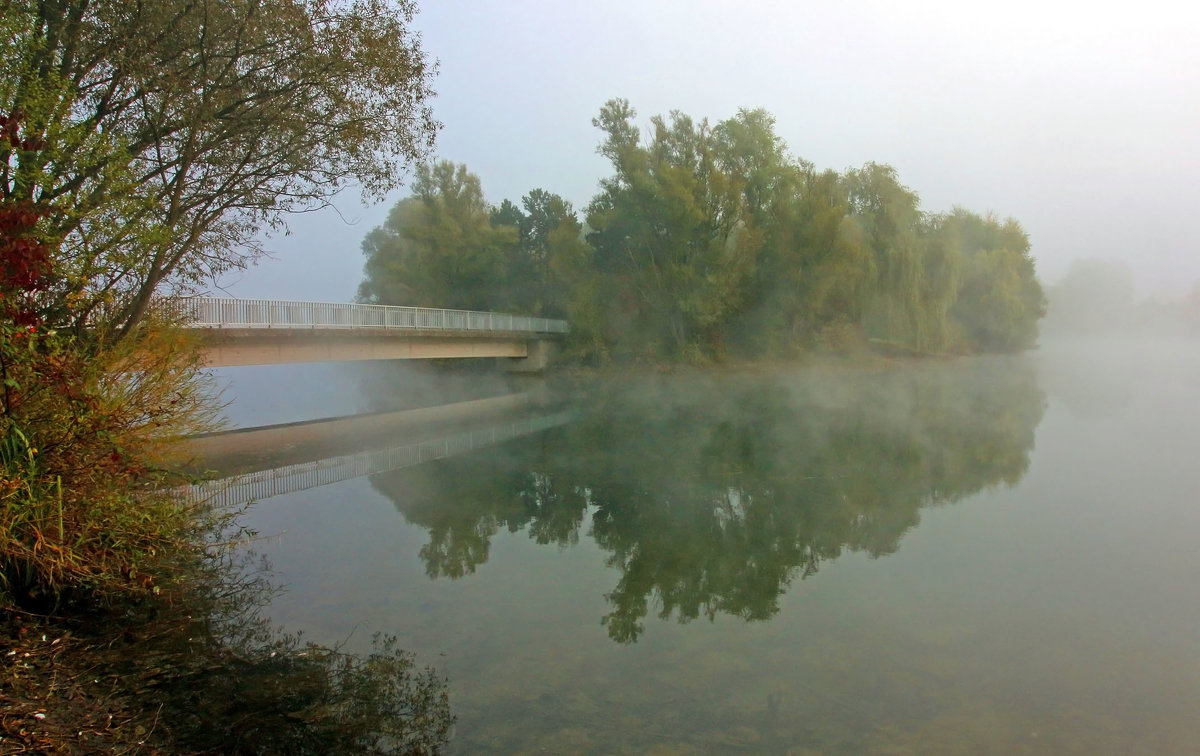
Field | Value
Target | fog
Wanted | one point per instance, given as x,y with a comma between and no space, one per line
871,553
259,395
1075,120
939,556
1098,302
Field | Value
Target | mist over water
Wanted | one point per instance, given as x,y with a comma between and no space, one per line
271,394
992,553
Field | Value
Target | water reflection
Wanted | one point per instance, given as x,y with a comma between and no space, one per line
711,494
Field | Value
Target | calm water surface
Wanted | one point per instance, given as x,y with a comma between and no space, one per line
991,555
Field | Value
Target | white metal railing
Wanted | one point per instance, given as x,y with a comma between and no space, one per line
215,312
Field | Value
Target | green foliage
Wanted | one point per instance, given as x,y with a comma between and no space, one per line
550,238
548,242
672,227
439,247
446,247
162,136
83,429
708,242
1000,300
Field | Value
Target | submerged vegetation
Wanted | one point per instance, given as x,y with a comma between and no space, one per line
208,674
712,242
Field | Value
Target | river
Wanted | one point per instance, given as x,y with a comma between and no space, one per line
981,555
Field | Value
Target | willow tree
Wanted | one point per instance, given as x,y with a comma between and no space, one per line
824,270
167,134
1000,300
941,282
755,159
890,219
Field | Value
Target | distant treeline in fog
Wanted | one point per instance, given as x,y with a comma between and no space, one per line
1098,298
712,242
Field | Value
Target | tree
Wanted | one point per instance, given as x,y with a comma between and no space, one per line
1000,300
166,134
672,225
439,247
551,241
754,157
446,247
889,217
811,278
712,241
546,228
82,430
941,282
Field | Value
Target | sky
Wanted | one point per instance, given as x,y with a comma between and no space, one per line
1080,120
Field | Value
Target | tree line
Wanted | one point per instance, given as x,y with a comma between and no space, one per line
711,242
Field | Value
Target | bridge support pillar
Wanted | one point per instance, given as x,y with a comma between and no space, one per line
540,353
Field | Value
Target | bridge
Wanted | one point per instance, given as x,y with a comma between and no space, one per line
272,331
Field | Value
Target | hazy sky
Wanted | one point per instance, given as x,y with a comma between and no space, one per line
1080,120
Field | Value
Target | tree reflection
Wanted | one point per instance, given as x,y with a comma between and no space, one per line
712,494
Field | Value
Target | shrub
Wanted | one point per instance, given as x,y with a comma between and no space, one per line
83,432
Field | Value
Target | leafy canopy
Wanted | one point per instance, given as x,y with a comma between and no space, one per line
164,135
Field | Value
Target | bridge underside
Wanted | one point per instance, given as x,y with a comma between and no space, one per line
226,347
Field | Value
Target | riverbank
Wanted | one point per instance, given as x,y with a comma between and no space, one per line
69,690
208,675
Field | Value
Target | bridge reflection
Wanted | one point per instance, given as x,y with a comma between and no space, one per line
277,480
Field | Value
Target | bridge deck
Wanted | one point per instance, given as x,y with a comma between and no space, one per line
271,331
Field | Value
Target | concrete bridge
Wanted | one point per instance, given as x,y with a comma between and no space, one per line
271,331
